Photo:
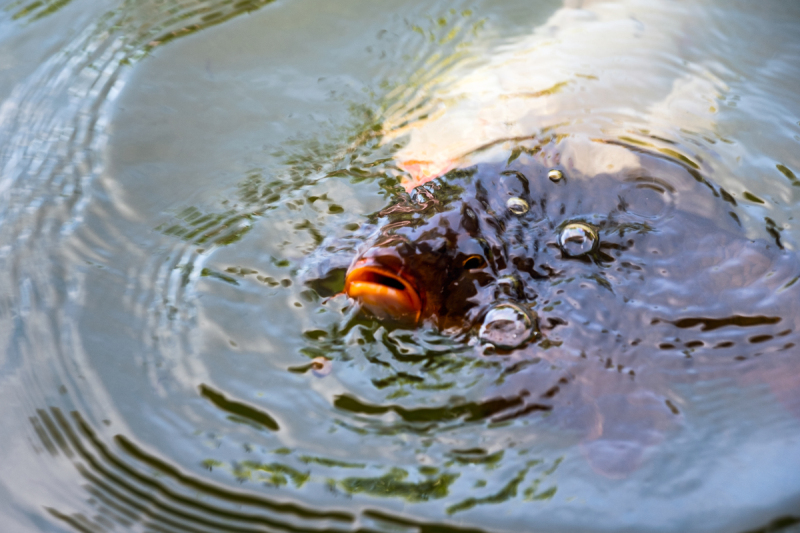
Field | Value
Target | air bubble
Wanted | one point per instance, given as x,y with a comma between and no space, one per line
577,239
517,206
555,175
507,326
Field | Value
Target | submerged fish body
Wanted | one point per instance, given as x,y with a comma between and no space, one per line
593,67
627,282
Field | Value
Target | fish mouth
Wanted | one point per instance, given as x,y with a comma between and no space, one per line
383,292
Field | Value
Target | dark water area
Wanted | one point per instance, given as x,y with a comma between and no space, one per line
183,185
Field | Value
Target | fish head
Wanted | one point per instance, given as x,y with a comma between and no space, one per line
435,258
454,249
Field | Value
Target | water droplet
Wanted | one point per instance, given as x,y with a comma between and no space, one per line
578,238
555,175
507,326
517,206
321,366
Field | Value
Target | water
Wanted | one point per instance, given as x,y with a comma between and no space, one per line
171,170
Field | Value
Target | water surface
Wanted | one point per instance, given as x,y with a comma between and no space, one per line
169,170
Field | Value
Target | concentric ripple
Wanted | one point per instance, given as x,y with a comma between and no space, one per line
184,183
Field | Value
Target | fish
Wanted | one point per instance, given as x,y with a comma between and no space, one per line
629,276
571,219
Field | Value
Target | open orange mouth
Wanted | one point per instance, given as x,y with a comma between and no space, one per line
384,293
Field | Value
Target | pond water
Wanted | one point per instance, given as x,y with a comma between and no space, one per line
173,172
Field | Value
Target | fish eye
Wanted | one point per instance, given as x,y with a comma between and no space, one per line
474,261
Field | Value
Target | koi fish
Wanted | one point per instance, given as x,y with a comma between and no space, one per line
629,275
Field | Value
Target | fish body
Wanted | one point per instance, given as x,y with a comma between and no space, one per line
567,215
626,270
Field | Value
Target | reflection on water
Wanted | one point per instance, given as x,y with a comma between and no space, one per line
124,490
127,485
241,411
178,209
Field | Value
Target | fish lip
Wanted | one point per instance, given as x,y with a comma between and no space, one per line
369,272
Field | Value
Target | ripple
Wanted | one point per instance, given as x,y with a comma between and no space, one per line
189,368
